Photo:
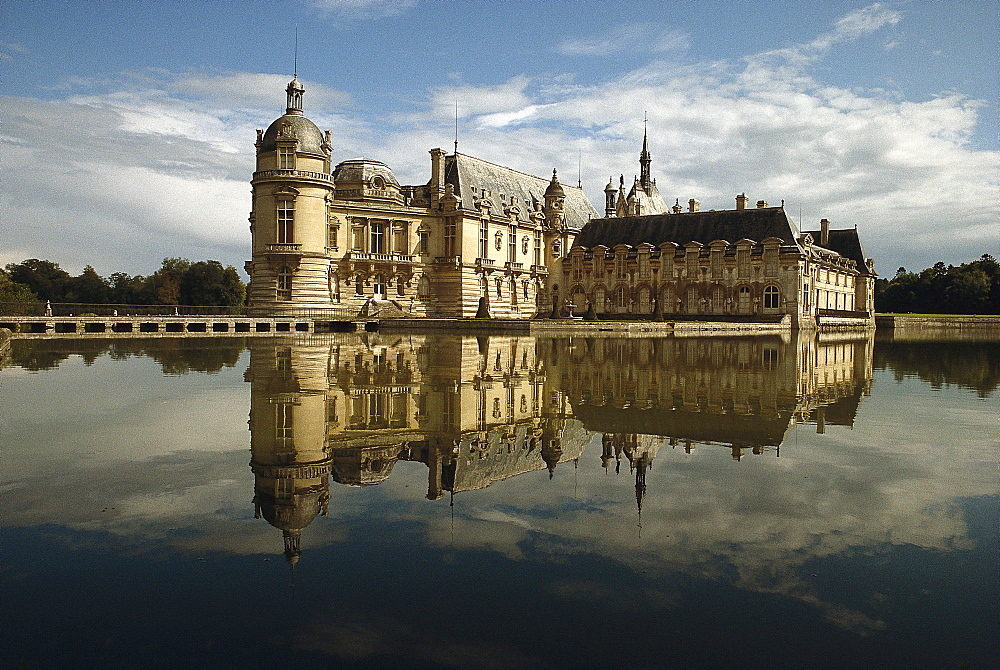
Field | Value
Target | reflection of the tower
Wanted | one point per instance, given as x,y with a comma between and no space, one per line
474,410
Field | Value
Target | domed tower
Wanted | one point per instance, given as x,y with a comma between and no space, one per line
292,191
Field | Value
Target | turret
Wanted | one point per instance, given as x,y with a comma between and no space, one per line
295,90
555,199
609,197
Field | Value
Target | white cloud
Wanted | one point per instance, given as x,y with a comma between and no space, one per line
626,39
363,9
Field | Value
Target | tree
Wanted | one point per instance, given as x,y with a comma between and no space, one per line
209,283
126,290
970,288
44,278
164,286
11,291
89,287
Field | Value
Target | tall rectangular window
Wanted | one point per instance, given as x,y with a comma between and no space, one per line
449,237
331,237
286,158
425,243
484,239
283,435
536,257
400,234
286,221
284,284
377,238
512,244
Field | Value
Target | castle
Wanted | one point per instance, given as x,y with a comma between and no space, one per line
480,239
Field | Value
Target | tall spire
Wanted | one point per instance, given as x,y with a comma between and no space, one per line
644,158
295,89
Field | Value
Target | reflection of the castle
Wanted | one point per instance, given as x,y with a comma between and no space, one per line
477,410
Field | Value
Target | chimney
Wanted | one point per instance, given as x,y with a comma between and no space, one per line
761,204
694,205
741,201
437,174
824,233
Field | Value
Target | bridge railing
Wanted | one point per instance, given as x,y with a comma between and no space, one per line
91,309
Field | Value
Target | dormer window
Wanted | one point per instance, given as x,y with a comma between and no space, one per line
286,158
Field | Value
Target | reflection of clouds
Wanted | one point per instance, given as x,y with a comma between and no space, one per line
759,522
354,639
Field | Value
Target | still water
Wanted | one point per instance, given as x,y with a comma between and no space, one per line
446,501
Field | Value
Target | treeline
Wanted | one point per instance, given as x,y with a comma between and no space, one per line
177,282
970,288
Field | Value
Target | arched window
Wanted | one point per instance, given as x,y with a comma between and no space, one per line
400,286
424,288
378,286
284,283
359,285
771,297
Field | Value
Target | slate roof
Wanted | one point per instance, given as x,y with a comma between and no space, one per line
465,172
731,225
305,131
846,243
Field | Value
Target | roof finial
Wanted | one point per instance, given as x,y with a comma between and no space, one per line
295,63
456,125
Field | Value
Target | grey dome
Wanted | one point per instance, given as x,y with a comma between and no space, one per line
299,127
363,170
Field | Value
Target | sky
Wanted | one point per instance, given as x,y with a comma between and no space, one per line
127,128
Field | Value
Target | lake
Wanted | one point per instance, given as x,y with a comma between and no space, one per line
369,500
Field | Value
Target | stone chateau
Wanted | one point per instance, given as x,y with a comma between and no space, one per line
478,238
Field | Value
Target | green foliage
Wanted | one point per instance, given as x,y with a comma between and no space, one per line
11,291
177,282
970,288
43,278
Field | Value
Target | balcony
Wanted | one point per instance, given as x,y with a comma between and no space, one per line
284,248
485,262
511,265
539,270
448,260
292,174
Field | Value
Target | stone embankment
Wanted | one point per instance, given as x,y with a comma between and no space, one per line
900,327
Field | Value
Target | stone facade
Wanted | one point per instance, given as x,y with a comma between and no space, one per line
480,239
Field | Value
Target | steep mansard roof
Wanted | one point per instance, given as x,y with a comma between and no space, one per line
846,243
730,225
466,172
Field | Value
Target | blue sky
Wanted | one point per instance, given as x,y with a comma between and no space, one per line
128,127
